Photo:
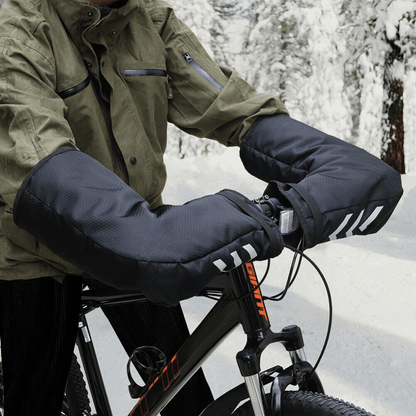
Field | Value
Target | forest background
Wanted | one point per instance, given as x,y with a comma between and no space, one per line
347,67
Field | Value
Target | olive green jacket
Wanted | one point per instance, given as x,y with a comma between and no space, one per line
106,83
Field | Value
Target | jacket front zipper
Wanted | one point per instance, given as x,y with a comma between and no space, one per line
201,71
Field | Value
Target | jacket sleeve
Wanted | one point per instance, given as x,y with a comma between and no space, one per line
87,215
32,115
337,189
208,100
32,126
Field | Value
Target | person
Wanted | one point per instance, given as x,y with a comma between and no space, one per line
87,88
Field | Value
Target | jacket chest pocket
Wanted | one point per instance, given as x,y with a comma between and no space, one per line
151,90
148,76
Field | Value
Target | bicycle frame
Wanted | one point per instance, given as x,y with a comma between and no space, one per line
241,303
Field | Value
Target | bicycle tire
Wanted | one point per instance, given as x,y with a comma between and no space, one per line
75,402
306,403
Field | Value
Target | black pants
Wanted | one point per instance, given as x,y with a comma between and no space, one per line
38,324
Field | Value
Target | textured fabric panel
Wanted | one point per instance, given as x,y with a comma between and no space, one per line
88,216
336,188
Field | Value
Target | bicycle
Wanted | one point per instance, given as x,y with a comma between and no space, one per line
239,301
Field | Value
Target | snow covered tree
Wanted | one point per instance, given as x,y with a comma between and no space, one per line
225,12
381,42
294,50
401,38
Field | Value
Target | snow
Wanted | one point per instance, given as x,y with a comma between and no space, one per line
395,13
371,357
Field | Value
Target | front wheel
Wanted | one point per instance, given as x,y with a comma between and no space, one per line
306,403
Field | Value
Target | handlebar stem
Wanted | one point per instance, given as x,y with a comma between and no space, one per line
284,217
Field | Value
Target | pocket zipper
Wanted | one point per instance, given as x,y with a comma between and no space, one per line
75,90
151,73
145,72
201,71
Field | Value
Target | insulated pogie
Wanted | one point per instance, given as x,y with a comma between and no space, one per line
87,215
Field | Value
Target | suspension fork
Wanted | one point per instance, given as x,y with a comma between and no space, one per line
255,322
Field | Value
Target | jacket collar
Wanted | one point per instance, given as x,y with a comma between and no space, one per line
80,16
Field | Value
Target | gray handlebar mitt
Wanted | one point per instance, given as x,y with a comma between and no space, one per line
87,215
336,188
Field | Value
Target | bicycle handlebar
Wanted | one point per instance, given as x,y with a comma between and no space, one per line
286,218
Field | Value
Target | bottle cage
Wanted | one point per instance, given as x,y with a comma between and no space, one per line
147,360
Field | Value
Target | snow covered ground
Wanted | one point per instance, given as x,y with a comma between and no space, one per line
371,357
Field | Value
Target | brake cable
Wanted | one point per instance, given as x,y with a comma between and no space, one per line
330,308
291,277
